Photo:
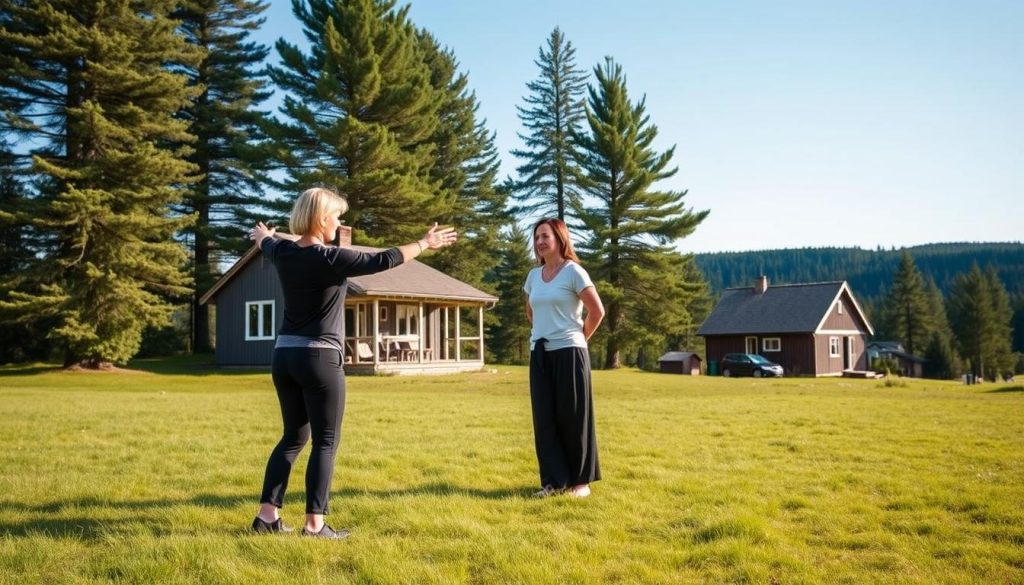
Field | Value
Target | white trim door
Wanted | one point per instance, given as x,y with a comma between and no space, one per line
751,344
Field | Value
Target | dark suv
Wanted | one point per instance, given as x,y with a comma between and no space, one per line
748,364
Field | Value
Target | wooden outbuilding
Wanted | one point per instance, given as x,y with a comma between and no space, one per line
680,362
412,319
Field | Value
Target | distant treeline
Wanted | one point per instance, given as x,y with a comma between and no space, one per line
869,272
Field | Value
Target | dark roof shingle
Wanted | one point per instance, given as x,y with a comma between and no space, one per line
792,308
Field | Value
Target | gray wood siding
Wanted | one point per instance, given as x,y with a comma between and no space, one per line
826,364
848,321
257,282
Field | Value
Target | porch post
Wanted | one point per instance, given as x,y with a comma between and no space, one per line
374,317
458,334
480,330
423,338
444,339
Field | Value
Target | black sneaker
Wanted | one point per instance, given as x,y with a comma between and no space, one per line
263,527
327,532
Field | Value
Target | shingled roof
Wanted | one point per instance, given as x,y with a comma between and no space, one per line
412,280
788,308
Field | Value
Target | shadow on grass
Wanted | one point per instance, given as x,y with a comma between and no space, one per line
437,489
1005,389
90,519
27,370
89,523
191,365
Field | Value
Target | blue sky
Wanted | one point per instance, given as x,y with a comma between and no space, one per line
797,123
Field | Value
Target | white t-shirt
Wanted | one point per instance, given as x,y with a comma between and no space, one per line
557,308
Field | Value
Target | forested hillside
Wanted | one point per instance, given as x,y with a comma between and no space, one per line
869,272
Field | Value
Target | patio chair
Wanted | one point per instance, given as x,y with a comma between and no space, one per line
365,353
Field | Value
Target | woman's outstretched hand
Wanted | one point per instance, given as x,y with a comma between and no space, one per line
439,238
261,231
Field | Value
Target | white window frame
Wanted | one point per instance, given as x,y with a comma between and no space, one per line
834,347
839,307
261,321
776,344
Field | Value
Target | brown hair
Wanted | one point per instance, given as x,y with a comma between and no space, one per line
561,233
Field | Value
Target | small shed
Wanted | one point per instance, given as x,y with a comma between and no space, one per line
680,362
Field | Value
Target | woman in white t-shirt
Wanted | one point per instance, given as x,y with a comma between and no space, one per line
563,413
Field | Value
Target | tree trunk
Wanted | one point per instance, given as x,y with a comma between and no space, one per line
611,357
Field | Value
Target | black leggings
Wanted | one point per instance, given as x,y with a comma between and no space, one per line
563,416
310,386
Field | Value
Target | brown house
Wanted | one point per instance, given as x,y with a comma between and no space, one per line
809,329
412,319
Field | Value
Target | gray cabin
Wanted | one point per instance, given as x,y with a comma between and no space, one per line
412,319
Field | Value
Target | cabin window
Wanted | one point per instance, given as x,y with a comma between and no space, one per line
771,344
839,307
259,320
833,347
407,316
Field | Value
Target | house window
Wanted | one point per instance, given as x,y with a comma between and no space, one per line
839,307
771,344
407,317
833,347
259,320
383,313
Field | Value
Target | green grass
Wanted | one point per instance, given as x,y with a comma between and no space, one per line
153,477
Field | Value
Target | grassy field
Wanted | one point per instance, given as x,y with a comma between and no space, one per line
153,476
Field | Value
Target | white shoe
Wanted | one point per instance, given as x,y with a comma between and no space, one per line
580,491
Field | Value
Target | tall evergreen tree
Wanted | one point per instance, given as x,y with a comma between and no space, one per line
509,335
1000,332
19,341
91,83
226,124
630,228
942,361
553,112
359,114
465,168
906,307
978,310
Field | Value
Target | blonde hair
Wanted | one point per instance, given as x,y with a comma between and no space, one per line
311,206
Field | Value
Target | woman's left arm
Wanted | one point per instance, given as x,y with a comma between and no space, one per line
595,311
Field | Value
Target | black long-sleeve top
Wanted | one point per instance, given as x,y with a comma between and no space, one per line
314,281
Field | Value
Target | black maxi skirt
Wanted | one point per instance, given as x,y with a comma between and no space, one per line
563,416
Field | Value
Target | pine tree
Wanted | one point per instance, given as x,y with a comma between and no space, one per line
226,124
93,84
465,168
360,112
906,307
980,315
999,331
509,336
942,361
629,227
19,341
554,111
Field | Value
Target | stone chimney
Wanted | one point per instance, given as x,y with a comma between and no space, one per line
761,284
344,237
